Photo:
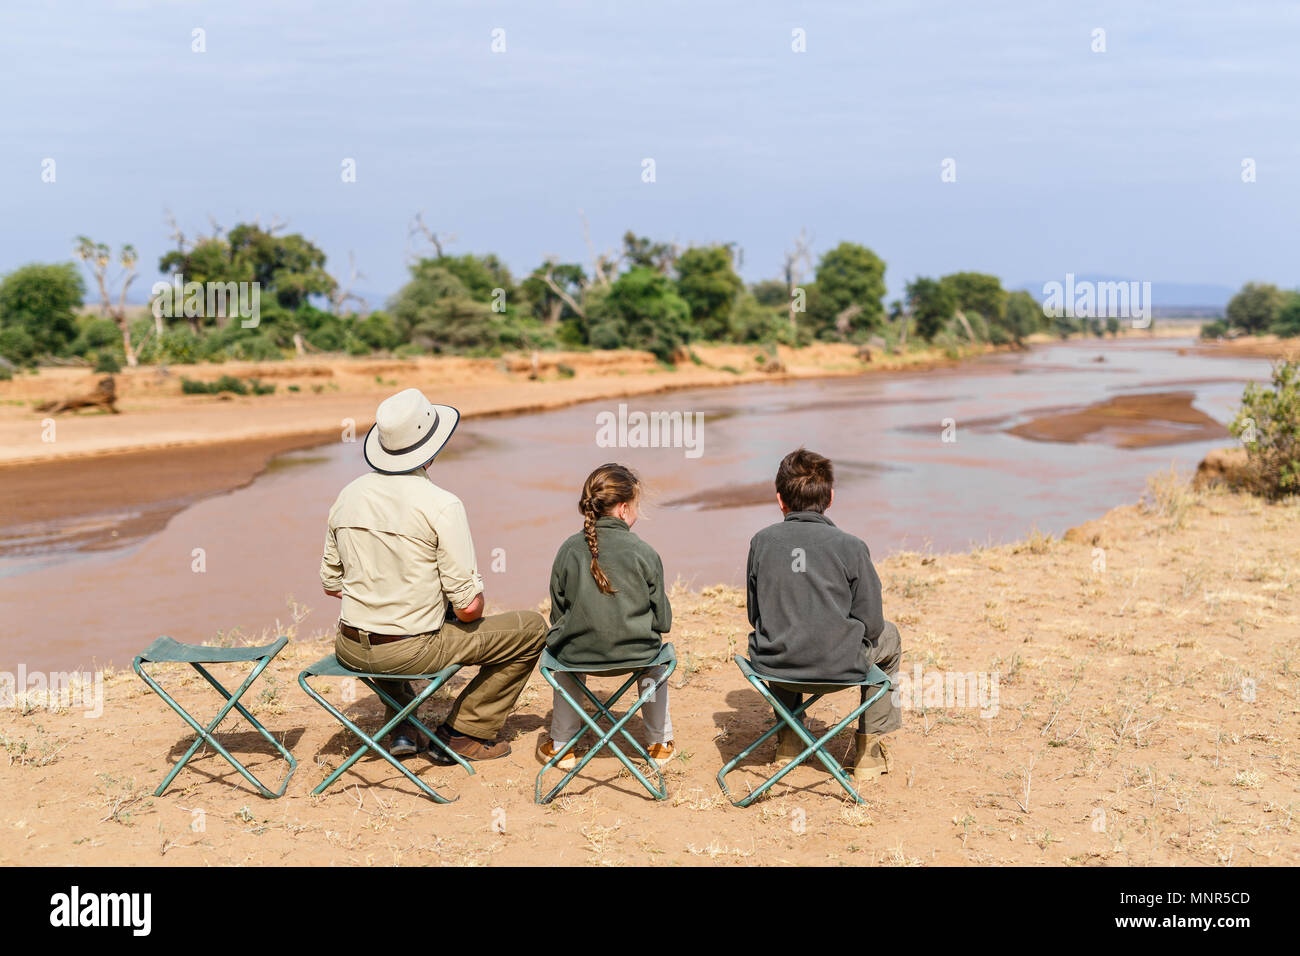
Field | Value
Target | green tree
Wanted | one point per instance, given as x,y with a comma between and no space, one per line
39,301
709,284
755,321
480,275
1023,316
977,293
435,311
847,294
209,260
377,331
771,292
639,310
553,289
640,252
1287,324
1255,308
289,268
931,305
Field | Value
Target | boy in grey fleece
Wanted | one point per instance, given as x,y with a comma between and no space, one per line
814,603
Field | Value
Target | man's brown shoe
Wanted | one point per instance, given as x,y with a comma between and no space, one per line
466,747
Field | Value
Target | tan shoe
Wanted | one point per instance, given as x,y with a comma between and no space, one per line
546,749
871,758
662,753
788,746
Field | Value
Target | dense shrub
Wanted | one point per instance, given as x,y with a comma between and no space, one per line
107,362
1268,424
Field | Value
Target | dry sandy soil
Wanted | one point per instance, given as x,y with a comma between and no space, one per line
1253,346
1146,714
155,414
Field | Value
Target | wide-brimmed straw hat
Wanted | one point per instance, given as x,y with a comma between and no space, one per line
408,433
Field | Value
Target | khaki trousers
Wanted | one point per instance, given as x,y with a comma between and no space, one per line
505,647
882,717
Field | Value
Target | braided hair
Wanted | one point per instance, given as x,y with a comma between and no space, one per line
605,489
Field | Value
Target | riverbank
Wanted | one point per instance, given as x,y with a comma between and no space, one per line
1253,346
314,396
1146,714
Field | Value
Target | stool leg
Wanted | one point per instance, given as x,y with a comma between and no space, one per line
371,743
205,733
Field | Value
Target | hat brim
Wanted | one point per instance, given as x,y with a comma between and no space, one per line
389,464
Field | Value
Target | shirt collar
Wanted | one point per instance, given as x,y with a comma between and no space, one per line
809,516
610,521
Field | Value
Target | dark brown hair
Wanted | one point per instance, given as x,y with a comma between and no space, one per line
604,490
804,481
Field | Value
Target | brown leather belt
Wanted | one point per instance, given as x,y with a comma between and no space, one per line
350,632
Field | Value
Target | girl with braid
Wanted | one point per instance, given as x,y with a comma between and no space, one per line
608,607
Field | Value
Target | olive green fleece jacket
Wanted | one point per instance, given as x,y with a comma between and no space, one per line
591,627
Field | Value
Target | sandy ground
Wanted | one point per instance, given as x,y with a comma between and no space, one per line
1146,713
1128,421
1251,346
155,413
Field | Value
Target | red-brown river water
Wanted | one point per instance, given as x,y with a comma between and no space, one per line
900,486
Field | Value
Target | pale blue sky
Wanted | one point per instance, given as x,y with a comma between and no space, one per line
1124,163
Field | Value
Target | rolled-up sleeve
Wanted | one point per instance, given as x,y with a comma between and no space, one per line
331,566
457,566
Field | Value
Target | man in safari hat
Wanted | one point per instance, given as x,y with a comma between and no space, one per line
398,552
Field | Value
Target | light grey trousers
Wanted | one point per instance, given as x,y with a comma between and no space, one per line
566,724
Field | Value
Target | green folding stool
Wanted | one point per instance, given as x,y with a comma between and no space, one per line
875,677
329,666
549,667
167,651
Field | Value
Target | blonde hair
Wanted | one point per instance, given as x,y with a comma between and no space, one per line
605,489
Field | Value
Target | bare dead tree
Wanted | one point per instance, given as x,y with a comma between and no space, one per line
844,319
549,278
604,265
435,239
96,256
277,225
175,235
965,324
797,260
343,293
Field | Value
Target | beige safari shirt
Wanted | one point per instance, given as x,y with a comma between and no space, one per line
398,547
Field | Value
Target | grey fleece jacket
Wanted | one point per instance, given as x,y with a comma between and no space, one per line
814,601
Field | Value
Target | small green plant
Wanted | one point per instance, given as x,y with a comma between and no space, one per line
227,383
1268,424
1214,330
565,371
123,797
